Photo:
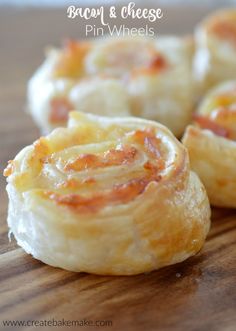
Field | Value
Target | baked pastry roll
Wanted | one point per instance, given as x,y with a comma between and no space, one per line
108,196
212,144
215,59
112,77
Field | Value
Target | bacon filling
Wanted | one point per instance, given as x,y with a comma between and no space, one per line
119,193
122,193
71,63
112,157
157,64
225,29
60,108
206,123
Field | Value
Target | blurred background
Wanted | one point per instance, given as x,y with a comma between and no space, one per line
89,2
27,28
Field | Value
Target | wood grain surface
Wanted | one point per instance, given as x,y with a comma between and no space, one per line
198,294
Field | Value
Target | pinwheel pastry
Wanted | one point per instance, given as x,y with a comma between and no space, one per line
212,144
107,196
115,77
215,59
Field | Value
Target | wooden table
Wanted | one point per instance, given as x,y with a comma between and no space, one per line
198,294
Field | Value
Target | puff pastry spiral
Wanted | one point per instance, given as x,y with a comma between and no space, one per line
107,196
212,144
115,77
215,59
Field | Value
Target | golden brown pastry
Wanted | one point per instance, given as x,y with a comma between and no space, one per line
142,77
108,196
212,144
215,59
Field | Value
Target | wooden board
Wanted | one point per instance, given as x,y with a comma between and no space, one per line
198,294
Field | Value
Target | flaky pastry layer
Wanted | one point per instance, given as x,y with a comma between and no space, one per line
212,144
